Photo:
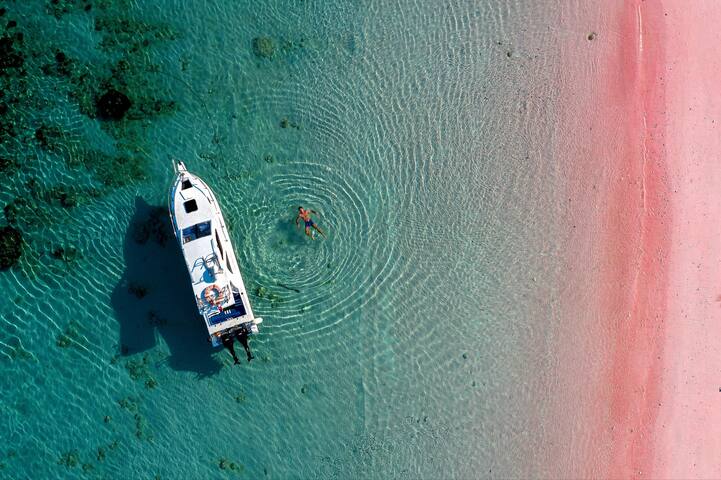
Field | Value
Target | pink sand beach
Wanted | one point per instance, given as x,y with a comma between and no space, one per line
642,292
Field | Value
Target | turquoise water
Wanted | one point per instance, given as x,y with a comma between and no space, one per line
415,342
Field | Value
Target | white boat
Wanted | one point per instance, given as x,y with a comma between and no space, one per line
217,284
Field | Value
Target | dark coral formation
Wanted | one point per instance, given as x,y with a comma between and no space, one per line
113,105
11,246
10,56
118,84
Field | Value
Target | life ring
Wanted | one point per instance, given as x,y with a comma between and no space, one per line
213,295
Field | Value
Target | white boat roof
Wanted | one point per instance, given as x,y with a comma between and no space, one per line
213,267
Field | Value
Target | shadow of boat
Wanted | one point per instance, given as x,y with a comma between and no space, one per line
154,296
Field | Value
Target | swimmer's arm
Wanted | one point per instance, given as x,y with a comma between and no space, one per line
313,211
296,220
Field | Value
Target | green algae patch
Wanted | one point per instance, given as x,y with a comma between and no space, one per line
151,383
139,369
285,123
142,427
129,403
114,170
263,47
230,466
264,293
69,459
15,350
11,246
131,35
269,48
70,337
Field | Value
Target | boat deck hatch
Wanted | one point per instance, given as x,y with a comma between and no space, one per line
198,230
187,184
190,206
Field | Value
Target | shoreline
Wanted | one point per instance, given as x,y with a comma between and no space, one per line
615,291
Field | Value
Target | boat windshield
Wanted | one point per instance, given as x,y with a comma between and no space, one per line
199,230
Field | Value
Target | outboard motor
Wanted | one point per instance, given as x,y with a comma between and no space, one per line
242,337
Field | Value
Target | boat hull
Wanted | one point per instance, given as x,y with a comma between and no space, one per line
215,275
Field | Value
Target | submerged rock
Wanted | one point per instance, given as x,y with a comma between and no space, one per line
11,247
263,47
113,105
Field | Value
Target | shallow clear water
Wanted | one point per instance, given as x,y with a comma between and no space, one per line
416,341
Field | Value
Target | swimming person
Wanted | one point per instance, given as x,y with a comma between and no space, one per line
305,215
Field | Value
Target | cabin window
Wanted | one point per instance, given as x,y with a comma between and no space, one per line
186,184
195,232
220,247
227,264
190,206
